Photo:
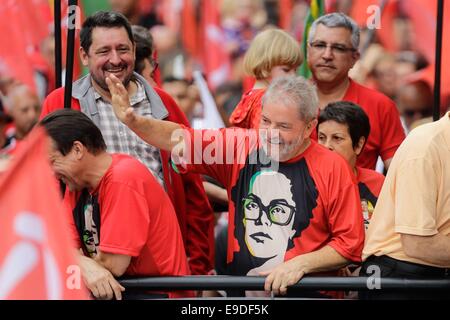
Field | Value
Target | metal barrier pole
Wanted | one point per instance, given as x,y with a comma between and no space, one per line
257,283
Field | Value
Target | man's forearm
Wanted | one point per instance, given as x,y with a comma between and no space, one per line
117,264
160,134
433,249
325,259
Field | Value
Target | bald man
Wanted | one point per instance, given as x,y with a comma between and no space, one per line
24,108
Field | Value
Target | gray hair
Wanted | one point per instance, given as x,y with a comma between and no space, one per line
16,92
296,90
337,20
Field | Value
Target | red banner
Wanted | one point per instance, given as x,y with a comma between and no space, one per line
36,259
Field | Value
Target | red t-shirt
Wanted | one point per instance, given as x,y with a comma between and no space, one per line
386,131
277,213
248,111
136,218
370,183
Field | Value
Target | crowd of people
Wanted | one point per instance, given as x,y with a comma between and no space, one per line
279,178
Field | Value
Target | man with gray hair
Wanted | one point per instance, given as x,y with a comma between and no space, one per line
23,106
332,51
293,205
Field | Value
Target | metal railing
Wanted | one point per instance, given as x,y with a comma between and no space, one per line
307,283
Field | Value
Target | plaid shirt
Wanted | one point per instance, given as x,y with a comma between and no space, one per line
121,139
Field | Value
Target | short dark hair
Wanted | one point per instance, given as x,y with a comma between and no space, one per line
65,126
144,46
349,113
105,19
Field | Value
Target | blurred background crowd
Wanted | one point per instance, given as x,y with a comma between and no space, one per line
210,37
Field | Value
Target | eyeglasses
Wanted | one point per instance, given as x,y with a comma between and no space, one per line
339,49
278,211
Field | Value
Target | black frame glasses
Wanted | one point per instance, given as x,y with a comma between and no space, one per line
336,48
272,211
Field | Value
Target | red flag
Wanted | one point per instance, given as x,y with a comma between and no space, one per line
285,8
361,12
216,59
13,46
423,18
145,6
36,259
189,28
32,21
171,14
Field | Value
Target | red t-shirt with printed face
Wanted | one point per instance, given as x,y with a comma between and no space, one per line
136,218
370,183
278,210
386,131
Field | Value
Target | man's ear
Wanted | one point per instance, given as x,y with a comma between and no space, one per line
79,149
310,127
83,56
359,146
355,55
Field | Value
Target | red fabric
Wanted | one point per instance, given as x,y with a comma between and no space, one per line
189,30
35,250
216,58
171,15
423,17
248,83
360,15
150,225
193,210
285,9
370,183
247,113
13,45
336,220
157,72
372,179
386,131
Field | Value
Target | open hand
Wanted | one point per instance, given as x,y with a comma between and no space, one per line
120,100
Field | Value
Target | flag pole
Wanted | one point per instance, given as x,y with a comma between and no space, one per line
437,70
58,46
71,26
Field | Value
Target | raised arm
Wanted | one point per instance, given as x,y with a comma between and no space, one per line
159,133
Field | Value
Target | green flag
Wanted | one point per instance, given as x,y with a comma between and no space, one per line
316,9
90,7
